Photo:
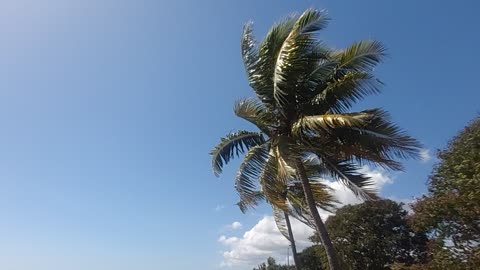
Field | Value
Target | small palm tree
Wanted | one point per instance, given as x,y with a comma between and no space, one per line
292,194
304,92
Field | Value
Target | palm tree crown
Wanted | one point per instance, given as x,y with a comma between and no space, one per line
304,93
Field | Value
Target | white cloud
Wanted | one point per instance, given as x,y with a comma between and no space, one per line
425,155
264,239
235,225
219,208
260,242
379,178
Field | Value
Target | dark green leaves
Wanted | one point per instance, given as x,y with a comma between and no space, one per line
361,56
347,173
233,144
246,182
259,61
367,136
339,95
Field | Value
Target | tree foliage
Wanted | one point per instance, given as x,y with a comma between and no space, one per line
311,258
374,235
271,264
450,211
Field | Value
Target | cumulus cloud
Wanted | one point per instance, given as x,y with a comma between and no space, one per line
379,178
260,242
235,225
264,239
425,155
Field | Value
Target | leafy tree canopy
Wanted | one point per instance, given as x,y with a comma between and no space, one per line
374,235
450,211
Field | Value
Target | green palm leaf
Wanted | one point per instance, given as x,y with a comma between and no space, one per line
322,125
379,136
273,183
347,173
233,144
261,80
252,202
361,56
249,52
251,168
256,113
295,54
340,95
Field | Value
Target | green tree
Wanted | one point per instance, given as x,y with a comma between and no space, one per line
313,258
374,235
304,92
450,212
272,265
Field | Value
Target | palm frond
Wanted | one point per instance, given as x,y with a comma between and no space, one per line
361,56
256,113
273,187
347,173
379,136
251,168
368,134
366,149
400,144
233,145
339,95
321,193
249,52
252,202
295,56
324,124
279,217
261,79
323,196
316,81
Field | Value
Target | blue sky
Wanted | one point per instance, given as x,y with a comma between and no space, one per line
108,110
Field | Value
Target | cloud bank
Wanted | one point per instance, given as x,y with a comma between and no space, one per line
264,239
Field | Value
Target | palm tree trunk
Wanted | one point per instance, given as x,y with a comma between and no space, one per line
292,242
321,229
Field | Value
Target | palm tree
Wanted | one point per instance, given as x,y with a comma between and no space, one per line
305,91
292,194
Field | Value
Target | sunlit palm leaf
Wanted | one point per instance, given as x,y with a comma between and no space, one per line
321,192
361,56
273,187
279,217
262,79
295,56
233,145
324,124
256,113
378,140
